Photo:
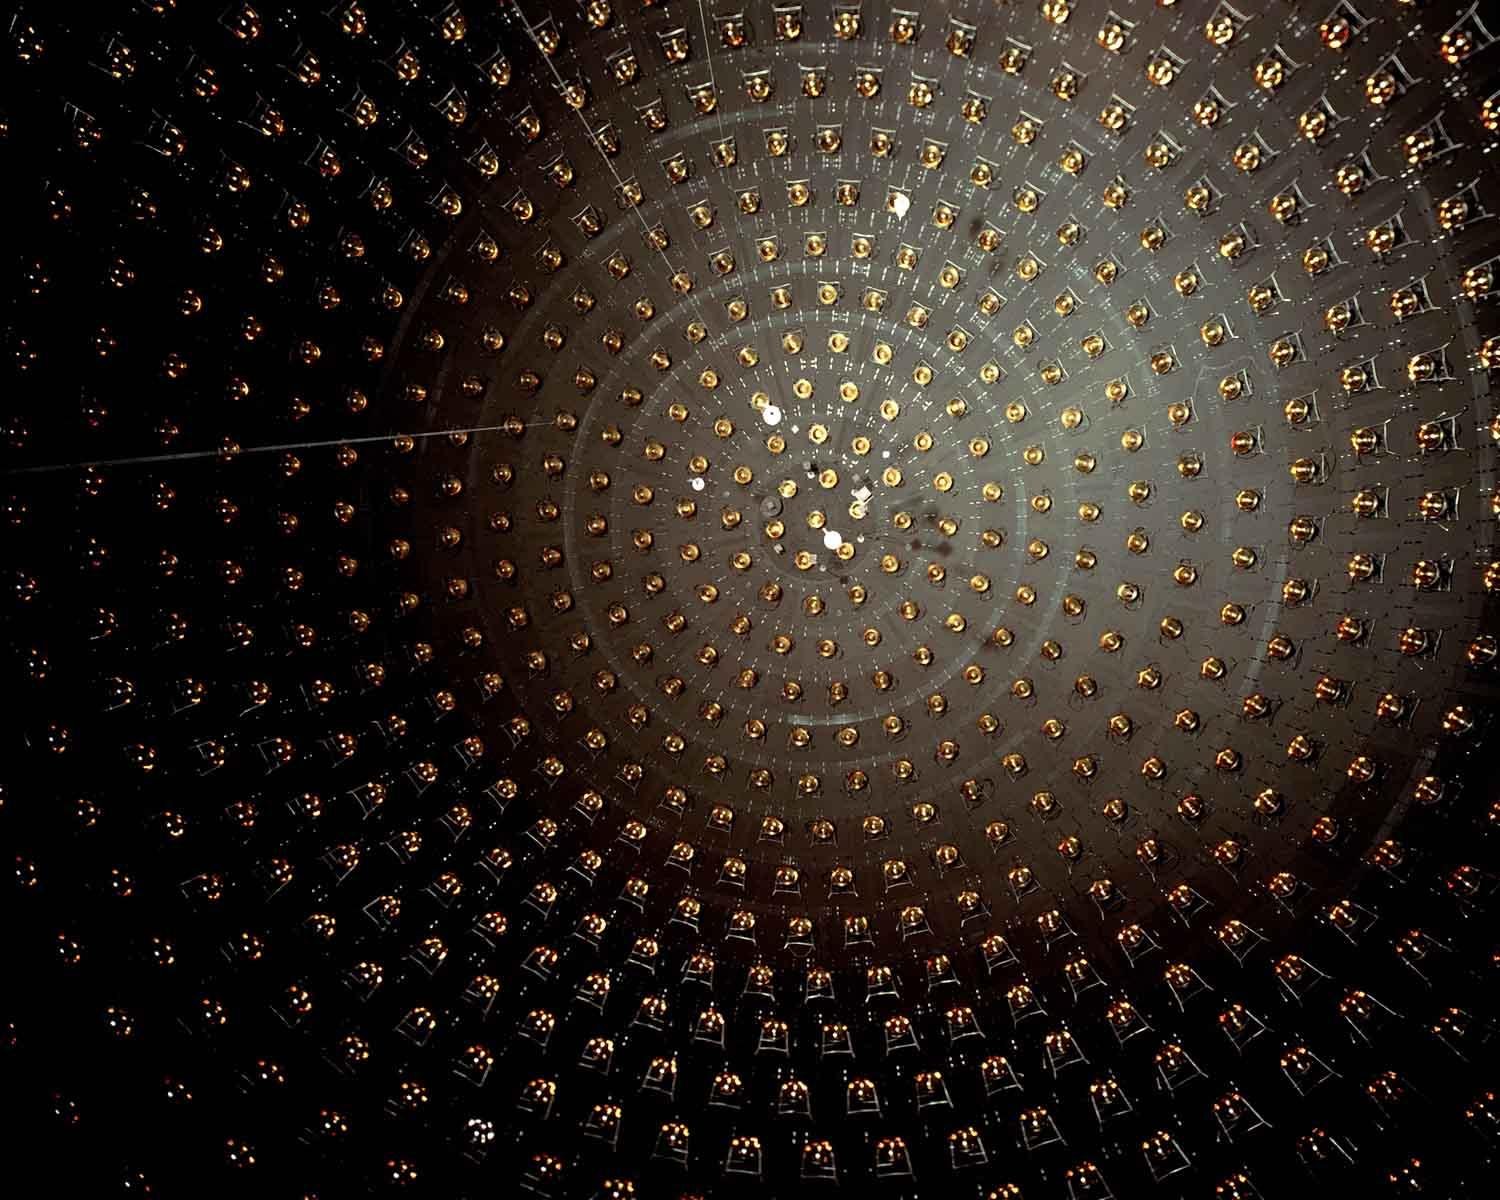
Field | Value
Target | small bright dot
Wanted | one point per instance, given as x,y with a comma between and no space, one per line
832,540
696,483
771,415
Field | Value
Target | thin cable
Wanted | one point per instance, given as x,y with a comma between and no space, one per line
189,455
593,141
708,51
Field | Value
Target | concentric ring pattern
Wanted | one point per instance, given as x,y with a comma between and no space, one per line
690,599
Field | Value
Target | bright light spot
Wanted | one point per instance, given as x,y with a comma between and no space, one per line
899,203
771,415
832,540
696,483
